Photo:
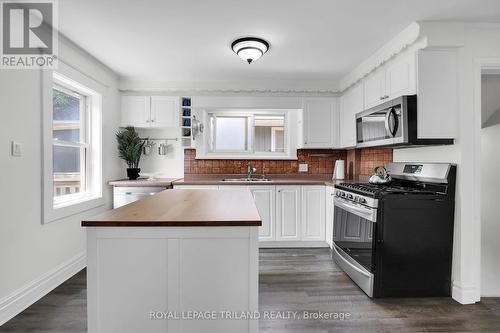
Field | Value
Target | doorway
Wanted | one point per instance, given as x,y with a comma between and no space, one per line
490,182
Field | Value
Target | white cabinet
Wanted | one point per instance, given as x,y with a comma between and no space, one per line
319,122
329,214
164,111
264,197
395,79
136,111
288,205
150,111
350,104
313,213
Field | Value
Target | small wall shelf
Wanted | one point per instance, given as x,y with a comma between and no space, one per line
186,117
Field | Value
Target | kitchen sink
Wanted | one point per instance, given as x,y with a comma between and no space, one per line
246,179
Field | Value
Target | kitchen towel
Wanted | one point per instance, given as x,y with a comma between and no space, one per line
339,170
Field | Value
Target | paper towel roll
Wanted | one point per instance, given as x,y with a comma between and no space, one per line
339,170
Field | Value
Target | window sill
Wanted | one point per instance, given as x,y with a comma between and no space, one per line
68,208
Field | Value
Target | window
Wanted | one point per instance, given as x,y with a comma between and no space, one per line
248,134
72,145
269,133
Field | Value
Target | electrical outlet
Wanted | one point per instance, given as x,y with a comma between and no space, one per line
16,148
303,167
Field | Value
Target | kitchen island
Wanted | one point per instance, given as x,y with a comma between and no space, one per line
179,261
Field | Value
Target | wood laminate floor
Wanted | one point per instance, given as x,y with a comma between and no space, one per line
294,280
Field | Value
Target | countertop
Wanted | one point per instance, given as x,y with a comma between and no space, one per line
294,179
143,182
184,208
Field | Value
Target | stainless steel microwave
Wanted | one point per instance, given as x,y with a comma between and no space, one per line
392,124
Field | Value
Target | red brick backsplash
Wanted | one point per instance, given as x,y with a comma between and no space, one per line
371,158
317,164
360,162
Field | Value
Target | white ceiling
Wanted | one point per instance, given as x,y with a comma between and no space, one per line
186,43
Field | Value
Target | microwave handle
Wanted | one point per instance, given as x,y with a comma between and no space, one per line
392,131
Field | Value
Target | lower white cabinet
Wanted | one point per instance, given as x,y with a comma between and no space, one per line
292,215
313,213
329,214
288,206
264,197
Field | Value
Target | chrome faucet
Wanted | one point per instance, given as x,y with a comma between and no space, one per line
250,171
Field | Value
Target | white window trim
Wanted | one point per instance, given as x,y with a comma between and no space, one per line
291,130
54,210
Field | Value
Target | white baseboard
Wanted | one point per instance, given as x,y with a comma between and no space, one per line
464,295
19,300
285,244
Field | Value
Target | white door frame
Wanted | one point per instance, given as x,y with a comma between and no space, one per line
480,64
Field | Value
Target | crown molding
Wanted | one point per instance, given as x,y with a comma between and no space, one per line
230,92
418,35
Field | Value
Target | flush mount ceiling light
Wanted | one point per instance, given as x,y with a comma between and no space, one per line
250,48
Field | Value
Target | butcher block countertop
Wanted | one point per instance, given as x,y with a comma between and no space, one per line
184,208
143,182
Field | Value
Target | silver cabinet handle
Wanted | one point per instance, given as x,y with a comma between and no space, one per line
128,193
381,97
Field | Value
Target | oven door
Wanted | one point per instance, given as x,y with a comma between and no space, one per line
353,241
381,126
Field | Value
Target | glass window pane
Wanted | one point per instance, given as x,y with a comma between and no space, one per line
231,133
67,170
66,116
269,133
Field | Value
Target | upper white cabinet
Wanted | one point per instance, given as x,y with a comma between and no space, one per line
395,79
313,213
150,111
136,111
320,117
164,111
350,104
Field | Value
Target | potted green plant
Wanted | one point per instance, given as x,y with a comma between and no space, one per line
130,150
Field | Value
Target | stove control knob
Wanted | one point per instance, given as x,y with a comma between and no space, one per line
342,194
356,198
350,196
337,193
362,200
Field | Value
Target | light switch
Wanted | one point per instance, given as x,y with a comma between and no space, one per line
303,167
16,148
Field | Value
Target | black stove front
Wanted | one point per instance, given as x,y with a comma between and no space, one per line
396,240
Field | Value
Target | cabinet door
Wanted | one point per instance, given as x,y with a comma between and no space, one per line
375,89
329,214
319,115
135,111
264,197
401,77
313,213
165,111
288,213
351,103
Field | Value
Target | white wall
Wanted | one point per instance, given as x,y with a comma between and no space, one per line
162,166
490,183
481,42
32,252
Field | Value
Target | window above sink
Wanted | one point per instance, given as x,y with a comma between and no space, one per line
247,134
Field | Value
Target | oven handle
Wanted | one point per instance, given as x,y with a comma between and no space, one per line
367,213
360,271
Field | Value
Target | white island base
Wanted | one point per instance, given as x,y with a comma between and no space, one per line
140,276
